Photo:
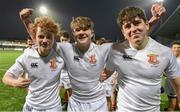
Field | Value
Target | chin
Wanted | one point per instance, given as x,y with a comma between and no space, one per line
83,44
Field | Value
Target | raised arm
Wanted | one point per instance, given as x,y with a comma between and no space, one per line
25,15
157,11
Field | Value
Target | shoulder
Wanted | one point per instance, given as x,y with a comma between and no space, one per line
63,45
104,48
120,46
108,45
159,46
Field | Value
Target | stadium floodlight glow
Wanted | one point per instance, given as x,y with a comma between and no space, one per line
43,10
159,1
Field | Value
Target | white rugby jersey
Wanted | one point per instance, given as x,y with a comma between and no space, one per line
44,73
170,91
178,61
64,79
108,84
140,75
85,70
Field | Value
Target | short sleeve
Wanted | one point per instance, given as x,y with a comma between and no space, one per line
173,69
17,68
109,64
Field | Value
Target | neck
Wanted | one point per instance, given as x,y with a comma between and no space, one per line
42,53
142,45
83,49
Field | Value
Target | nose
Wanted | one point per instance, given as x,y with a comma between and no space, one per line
133,28
45,39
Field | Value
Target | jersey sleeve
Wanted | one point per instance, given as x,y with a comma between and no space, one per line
61,48
107,48
109,64
17,68
173,69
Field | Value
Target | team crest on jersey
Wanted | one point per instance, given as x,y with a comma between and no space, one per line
53,63
152,58
92,59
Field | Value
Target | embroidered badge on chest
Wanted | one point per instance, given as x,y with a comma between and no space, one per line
92,59
53,63
152,58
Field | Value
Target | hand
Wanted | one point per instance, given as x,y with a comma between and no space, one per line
22,82
103,76
157,10
25,13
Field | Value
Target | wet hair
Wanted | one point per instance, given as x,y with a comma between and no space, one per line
81,22
47,23
129,14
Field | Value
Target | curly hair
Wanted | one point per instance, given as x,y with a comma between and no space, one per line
47,23
81,22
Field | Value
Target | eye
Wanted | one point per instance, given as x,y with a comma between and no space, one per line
64,40
84,29
41,36
77,29
136,23
127,26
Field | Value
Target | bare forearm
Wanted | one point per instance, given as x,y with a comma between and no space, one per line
157,11
178,94
153,21
25,15
29,27
9,80
21,82
176,85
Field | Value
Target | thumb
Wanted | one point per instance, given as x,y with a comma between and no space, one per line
22,75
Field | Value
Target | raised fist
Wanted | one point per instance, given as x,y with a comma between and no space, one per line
157,10
25,13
